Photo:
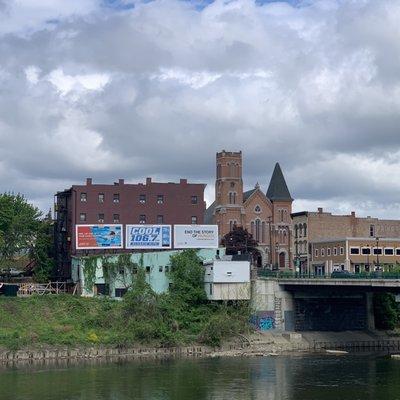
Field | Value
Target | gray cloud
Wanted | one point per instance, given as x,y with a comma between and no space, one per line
156,90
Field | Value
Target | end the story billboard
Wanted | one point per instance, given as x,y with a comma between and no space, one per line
195,236
148,236
90,237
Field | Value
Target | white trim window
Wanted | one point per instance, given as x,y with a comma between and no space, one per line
389,251
341,251
354,251
335,251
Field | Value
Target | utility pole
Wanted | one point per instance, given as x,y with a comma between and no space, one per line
270,240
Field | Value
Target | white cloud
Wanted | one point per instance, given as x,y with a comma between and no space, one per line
157,89
77,83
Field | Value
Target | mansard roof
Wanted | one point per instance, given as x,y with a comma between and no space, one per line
277,189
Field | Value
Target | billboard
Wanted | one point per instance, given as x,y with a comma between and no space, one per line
195,236
148,236
99,237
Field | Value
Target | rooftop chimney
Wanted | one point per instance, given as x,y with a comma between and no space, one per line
120,181
148,181
320,210
183,181
88,181
353,214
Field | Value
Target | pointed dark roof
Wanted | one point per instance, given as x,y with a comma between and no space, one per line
277,189
209,213
247,194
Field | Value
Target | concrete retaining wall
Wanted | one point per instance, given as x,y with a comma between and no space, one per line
97,352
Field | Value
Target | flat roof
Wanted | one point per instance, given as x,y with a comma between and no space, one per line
343,239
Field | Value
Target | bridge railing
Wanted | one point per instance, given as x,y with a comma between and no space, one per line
288,274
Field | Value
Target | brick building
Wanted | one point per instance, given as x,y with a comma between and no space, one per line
314,226
122,203
354,254
265,215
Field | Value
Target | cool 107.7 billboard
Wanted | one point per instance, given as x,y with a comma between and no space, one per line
148,236
195,236
99,237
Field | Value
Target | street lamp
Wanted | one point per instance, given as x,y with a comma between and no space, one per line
276,254
377,252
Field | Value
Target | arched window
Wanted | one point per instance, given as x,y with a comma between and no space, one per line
234,197
258,226
252,228
257,209
263,232
218,170
305,229
231,169
296,231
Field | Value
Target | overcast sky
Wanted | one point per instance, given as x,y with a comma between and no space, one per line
130,89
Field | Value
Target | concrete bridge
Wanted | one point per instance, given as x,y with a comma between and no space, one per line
389,284
317,304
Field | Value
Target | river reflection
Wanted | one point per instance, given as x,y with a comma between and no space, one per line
307,377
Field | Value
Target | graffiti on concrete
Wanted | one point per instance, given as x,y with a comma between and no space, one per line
263,321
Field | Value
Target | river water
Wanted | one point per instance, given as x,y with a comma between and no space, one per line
305,377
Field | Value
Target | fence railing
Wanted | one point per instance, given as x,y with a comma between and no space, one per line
296,275
28,289
386,344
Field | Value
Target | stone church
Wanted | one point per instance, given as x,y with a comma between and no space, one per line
265,216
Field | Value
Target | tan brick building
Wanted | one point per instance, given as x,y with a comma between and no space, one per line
266,216
311,226
354,254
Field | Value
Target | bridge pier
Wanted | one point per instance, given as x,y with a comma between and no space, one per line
273,306
370,310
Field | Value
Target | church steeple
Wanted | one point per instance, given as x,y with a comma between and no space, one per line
277,189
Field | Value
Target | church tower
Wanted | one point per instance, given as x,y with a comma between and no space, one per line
228,191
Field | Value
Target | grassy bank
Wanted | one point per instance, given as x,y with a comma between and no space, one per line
182,316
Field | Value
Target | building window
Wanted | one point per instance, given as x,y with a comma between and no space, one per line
305,229
232,184
335,251
257,209
328,252
160,268
116,218
148,269
218,170
101,218
389,251
354,250
397,252
341,251
316,252
82,217
83,197
257,230
160,219
116,198
167,268
142,219
211,289
101,197
372,230
194,220
142,199
194,200
377,251
365,251
119,292
322,252
160,199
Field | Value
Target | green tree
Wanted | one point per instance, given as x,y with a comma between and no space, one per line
386,311
187,277
19,226
42,251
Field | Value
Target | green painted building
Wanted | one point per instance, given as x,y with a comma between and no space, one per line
111,277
